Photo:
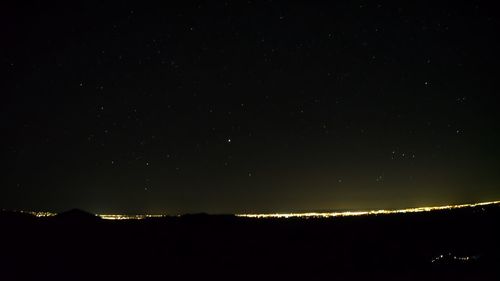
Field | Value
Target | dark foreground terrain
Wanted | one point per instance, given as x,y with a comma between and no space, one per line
460,244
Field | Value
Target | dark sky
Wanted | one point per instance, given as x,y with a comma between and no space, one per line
249,106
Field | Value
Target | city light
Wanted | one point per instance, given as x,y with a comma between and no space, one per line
129,217
296,215
449,256
364,213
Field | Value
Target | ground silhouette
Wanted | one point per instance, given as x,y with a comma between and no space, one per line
460,244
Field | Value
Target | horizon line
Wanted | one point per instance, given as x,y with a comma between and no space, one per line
369,212
40,214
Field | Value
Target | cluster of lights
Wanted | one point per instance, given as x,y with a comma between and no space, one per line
106,217
297,215
40,214
456,258
129,217
365,213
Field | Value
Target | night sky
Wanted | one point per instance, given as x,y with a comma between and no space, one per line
249,106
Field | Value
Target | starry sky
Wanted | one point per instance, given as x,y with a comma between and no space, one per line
249,106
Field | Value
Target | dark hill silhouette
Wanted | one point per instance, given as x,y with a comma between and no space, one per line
76,215
204,217
200,247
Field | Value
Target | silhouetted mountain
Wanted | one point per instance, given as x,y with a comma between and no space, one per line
459,244
204,217
77,215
